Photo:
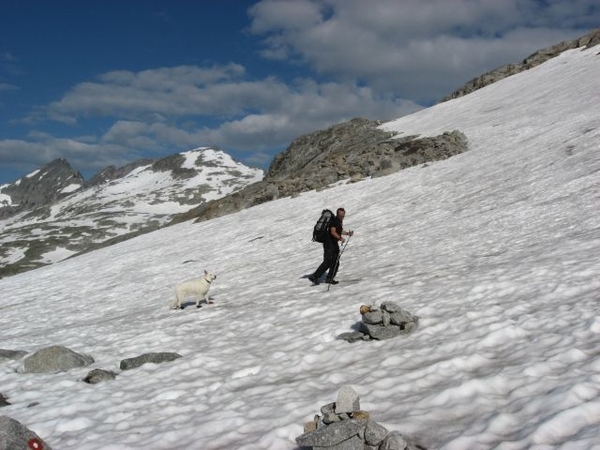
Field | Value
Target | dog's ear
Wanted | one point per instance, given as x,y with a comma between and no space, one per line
205,272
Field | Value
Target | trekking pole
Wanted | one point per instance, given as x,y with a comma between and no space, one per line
337,261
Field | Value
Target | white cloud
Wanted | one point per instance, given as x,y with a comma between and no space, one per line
418,49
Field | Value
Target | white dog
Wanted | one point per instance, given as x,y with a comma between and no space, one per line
197,287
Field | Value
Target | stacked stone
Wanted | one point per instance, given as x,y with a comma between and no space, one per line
344,426
387,321
382,322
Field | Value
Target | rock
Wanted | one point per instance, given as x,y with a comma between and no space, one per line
354,443
156,358
373,318
11,354
98,375
16,436
347,400
332,434
375,433
54,359
353,336
381,333
3,400
353,430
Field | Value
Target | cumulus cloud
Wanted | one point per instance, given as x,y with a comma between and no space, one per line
418,49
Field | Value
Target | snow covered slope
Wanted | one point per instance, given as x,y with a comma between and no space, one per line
496,250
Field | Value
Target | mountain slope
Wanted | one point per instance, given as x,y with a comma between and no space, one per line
116,204
495,249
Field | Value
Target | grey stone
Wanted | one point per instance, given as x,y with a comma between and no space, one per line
391,307
381,333
16,436
373,317
329,418
98,375
394,441
375,433
11,354
332,434
354,443
347,400
353,336
54,359
156,358
329,408
3,400
386,318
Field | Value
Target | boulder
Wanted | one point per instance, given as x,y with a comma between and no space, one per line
156,358
16,436
54,359
98,375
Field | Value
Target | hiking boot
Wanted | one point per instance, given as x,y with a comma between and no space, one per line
332,281
313,279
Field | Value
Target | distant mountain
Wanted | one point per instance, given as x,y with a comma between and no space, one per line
53,213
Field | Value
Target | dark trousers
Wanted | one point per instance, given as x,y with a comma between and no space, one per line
331,251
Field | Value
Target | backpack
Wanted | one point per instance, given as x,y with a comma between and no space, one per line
321,229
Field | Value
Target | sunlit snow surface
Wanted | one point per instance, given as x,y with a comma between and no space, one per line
496,250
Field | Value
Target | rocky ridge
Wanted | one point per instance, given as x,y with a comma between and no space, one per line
535,59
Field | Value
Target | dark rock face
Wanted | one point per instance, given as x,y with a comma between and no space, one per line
351,150
111,173
53,181
537,58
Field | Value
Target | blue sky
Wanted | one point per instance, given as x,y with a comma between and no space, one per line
107,82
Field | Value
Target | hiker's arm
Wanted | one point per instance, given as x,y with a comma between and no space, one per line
335,234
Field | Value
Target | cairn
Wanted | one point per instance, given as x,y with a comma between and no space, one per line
342,425
382,322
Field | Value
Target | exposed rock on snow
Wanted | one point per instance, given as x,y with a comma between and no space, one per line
382,322
344,426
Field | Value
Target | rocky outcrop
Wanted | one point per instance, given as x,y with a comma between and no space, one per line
535,59
342,425
111,173
48,184
351,151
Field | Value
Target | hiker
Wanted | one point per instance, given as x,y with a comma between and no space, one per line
331,249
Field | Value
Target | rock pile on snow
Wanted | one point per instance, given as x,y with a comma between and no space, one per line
344,426
382,322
